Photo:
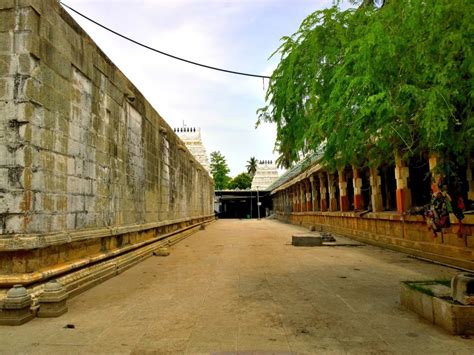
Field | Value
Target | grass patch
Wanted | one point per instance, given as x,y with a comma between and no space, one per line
420,286
443,282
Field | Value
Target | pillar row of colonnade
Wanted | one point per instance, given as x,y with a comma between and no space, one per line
354,189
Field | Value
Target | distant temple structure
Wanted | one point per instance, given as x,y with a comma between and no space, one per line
191,136
265,175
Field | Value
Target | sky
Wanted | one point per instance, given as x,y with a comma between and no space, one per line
238,35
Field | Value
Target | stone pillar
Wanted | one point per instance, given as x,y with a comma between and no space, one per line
295,199
302,197
323,190
332,192
314,194
403,192
309,203
343,198
433,162
357,183
15,309
375,184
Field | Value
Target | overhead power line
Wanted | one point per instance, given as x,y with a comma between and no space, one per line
161,52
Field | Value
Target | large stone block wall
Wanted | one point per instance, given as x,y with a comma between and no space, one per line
84,158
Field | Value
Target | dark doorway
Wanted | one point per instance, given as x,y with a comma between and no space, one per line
242,204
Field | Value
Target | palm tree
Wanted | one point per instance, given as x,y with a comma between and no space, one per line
252,166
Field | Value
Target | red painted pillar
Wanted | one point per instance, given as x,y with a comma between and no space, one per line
403,192
357,183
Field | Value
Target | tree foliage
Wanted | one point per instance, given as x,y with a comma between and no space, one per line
219,171
251,166
370,81
242,181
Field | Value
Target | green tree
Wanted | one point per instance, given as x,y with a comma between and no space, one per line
242,181
219,171
367,82
251,166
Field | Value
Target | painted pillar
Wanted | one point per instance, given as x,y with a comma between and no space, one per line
343,198
403,192
322,191
375,184
309,204
332,192
357,183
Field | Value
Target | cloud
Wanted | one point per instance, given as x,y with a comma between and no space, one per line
233,34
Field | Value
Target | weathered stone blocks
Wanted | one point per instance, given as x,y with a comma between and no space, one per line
15,308
85,161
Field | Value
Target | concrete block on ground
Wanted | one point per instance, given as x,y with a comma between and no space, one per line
307,240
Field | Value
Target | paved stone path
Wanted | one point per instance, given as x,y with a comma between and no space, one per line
240,286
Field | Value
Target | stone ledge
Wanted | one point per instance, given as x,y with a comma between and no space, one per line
390,216
34,241
80,280
47,273
394,244
460,257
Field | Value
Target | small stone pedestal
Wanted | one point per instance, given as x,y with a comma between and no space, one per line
306,240
15,309
52,300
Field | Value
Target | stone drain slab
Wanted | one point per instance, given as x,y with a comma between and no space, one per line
312,239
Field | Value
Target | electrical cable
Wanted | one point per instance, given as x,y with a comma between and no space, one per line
161,52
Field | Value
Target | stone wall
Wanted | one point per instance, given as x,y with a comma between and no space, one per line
86,164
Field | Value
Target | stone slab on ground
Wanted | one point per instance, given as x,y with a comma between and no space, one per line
307,240
239,286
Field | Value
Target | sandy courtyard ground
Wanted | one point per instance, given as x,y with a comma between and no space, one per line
239,286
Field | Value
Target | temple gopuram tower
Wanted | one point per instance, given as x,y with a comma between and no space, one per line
265,175
191,137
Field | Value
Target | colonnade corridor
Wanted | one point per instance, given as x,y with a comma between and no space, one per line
239,285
